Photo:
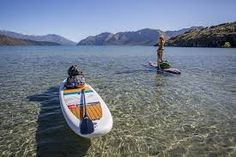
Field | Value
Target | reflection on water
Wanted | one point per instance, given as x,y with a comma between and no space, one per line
53,136
192,114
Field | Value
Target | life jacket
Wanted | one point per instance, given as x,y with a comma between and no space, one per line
75,81
76,77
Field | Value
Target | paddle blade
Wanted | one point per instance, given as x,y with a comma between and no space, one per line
86,126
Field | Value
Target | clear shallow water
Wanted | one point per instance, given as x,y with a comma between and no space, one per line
192,114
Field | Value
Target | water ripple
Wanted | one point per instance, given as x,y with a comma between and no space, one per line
192,114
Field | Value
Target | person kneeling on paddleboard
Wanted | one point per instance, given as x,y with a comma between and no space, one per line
160,50
75,78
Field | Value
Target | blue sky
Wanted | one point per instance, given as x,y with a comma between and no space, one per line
77,19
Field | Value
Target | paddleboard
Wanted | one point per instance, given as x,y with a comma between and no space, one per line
169,70
97,110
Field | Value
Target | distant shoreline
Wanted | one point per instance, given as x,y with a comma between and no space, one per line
109,46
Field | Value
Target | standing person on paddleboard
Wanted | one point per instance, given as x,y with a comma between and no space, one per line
160,50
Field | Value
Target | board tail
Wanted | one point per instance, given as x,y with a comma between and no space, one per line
86,126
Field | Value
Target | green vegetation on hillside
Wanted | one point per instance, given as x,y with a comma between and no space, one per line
223,35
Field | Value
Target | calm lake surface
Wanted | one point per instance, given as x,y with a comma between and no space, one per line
192,114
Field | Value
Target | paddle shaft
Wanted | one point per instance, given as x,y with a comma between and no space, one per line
84,104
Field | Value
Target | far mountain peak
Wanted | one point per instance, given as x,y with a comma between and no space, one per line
146,36
47,38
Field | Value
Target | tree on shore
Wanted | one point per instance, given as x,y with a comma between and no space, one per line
227,45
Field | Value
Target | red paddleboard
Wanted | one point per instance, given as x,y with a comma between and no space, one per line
169,70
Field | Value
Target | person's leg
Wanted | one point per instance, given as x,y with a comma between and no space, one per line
161,55
158,58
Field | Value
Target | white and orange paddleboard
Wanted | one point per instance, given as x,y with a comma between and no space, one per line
73,110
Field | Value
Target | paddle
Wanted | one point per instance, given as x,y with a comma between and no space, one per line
86,126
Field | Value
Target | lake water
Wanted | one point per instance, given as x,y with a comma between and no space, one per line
192,114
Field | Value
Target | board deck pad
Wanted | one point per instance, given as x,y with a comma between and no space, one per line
76,90
74,102
94,111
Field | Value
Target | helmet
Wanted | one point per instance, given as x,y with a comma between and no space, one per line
74,70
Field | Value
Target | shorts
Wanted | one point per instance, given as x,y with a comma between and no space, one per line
160,52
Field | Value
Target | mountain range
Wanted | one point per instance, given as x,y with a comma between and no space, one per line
222,35
6,40
53,38
141,37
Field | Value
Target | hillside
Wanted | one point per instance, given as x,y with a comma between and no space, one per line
223,35
140,37
48,38
5,40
